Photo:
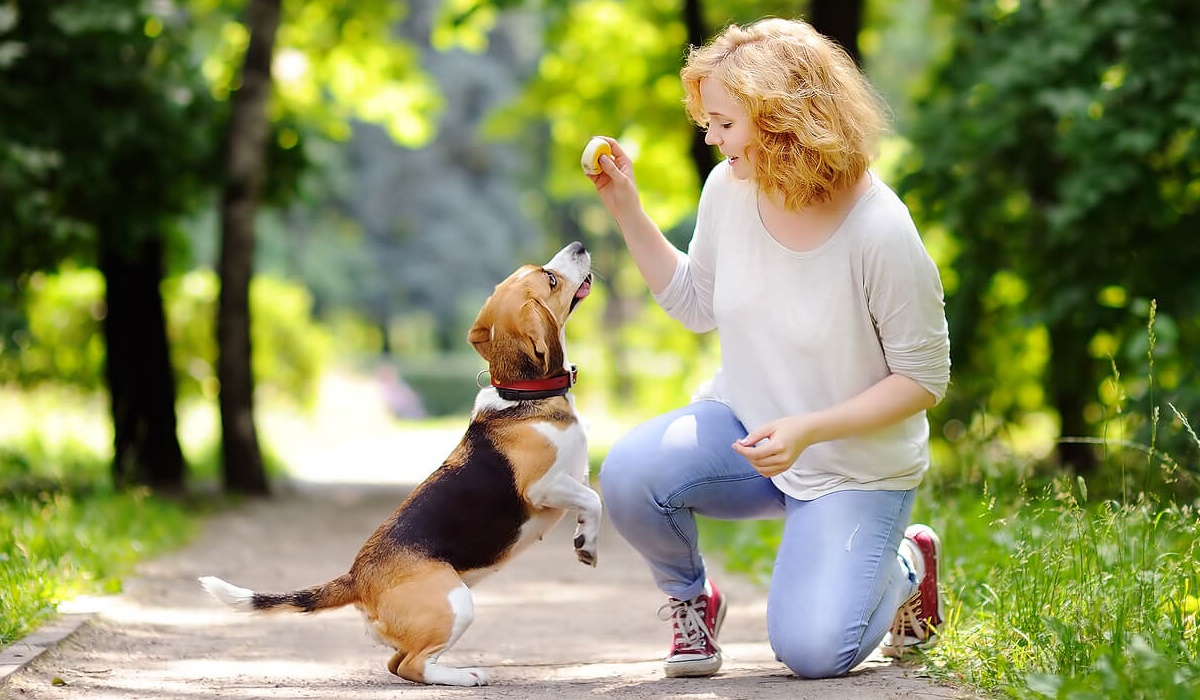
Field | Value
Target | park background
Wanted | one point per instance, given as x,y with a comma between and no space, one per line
233,234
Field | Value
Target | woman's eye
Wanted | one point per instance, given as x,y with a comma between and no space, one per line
552,278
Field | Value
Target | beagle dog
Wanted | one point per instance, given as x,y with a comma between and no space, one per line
521,465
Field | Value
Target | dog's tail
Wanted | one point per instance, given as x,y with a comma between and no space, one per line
334,594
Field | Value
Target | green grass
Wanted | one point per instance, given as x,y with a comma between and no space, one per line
55,545
1049,594
1053,596
64,531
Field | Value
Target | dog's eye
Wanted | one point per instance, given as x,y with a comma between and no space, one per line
552,279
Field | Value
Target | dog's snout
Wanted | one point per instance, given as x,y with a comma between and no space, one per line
573,262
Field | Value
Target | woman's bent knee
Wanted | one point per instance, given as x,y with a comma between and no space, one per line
812,654
626,478
622,466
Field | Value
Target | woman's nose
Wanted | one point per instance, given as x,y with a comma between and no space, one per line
709,137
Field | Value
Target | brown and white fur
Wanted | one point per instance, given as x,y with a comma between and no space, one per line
520,467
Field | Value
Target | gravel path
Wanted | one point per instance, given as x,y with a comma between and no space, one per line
545,627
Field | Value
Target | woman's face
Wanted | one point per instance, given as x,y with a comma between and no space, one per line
729,127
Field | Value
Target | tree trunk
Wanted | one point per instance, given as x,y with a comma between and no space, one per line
615,317
840,20
703,157
246,146
1069,383
141,384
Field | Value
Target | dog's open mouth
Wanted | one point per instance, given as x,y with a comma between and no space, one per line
583,291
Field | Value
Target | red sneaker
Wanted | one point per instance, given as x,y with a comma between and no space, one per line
695,623
917,620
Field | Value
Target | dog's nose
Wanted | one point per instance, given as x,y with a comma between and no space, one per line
576,248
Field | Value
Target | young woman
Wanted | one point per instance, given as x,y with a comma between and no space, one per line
833,342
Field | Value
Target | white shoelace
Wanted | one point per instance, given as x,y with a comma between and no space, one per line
908,629
688,619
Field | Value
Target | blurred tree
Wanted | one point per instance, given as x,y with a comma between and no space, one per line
840,20
245,171
1058,145
108,139
105,147
653,39
697,32
458,204
336,60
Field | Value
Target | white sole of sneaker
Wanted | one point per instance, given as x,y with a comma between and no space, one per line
698,668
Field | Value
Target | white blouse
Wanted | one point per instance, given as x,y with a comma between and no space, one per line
802,331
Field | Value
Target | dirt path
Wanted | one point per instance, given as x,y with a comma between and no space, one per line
546,627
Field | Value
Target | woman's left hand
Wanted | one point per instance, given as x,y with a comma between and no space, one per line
772,448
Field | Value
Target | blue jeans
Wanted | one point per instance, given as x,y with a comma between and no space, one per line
837,580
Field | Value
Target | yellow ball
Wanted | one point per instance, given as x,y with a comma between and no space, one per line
591,155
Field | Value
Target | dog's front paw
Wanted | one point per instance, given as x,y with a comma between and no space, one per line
586,542
587,531
585,551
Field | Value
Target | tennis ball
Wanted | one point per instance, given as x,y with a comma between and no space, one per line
591,155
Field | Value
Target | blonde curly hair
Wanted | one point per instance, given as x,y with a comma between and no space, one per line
817,120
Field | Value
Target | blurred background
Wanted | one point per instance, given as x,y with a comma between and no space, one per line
242,241
242,237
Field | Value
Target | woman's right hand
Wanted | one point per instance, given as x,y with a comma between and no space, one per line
654,255
615,183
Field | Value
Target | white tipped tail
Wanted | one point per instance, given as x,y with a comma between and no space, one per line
229,594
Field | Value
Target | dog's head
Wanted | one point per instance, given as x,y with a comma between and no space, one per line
519,330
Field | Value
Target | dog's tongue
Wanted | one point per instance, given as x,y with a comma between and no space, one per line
584,289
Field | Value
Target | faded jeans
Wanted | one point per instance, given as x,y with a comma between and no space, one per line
837,580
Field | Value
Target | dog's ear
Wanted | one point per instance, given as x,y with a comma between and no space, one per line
541,332
480,335
523,345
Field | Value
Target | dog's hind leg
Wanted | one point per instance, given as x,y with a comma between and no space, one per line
422,619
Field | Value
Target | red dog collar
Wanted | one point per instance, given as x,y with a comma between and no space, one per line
532,389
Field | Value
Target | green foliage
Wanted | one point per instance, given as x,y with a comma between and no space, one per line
110,128
1057,145
582,90
63,342
335,61
647,365
29,170
290,350
107,116
608,68
747,547
109,124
